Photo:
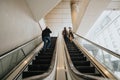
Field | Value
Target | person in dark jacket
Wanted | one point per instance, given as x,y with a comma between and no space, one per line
65,34
46,39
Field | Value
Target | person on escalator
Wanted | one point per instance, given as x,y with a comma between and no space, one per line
71,36
65,34
46,39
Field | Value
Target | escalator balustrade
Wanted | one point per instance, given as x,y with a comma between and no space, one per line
41,63
80,62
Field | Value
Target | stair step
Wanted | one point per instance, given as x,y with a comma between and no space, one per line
76,54
78,58
94,74
73,52
45,54
49,51
31,73
42,61
71,46
86,69
43,57
81,63
38,67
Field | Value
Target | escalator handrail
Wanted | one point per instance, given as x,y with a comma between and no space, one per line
75,71
46,74
15,72
102,69
101,47
17,48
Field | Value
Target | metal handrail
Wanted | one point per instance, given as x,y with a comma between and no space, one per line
15,72
75,72
17,48
101,47
102,69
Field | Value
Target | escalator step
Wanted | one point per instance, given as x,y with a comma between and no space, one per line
50,50
76,54
81,63
42,61
86,69
74,50
38,67
31,73
43,57
78,58
46,54
94,74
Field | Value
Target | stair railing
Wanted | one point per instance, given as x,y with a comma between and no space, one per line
107,58
101,47
10,59
74,73
51,73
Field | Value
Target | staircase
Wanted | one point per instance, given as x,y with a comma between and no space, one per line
41,63
80,62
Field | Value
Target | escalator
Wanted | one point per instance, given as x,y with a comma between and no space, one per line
80,62
41,63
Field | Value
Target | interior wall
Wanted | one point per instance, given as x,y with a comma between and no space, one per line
59,17
78,11
17,24
42,24
40,8
93,11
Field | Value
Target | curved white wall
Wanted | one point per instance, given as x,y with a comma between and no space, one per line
59,17
17,25
93,11
42,24
40,8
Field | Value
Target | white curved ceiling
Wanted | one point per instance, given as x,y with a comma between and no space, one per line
40,8
59,17
93,11
51,8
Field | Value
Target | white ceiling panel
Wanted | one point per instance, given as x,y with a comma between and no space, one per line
60,16
114,5
40,8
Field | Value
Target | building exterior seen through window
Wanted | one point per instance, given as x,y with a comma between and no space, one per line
106,32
